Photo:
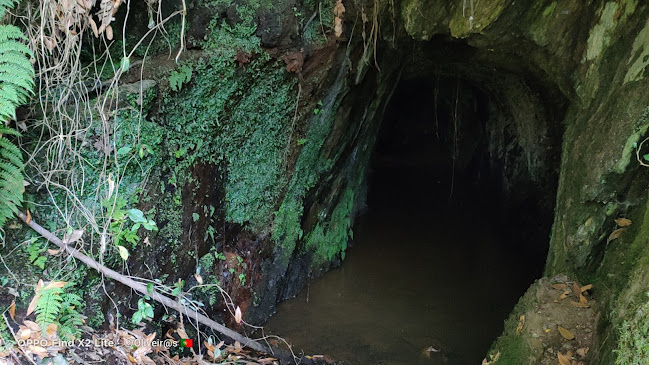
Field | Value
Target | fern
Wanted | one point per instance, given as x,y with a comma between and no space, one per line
70,318
11,178
16,84
6,4
48,307
58,306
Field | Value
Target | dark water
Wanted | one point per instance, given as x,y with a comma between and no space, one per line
422,272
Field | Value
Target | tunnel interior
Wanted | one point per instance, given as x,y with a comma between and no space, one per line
461,188
436,140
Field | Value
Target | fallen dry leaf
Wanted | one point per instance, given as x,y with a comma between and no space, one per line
623,222
565,333
615,234
237,315
32,325
563,359
576,289
199,279
267,360
582,351
51,330
109,33
493,359
521,323
339,10
41,352
29,217
565,294
12,310
24,333
53,252
582,299
55,284
32,304
578,304
181,332
586,287
559,286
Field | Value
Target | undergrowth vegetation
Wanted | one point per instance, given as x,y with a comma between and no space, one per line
16,83
633,344
112,168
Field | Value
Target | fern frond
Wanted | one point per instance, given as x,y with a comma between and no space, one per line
9,131
9,151
11,178
16,85
48,307
70,318
6,4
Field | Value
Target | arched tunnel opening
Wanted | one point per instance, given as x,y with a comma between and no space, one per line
461,190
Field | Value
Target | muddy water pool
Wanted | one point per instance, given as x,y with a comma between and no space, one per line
423,273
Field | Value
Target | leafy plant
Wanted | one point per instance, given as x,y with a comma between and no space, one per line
179,77
56,309
16,83
35,249
144,311
633,343
120,216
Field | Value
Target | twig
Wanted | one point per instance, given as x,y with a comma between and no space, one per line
139,287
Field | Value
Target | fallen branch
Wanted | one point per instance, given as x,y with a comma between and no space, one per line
139,287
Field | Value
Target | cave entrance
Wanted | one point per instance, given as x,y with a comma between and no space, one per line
461,191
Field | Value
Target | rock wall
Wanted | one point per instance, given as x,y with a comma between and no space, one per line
261,136
565,85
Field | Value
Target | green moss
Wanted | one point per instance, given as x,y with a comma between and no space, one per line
549,10
308,169
600,34
286,228
238,115
464,21
639,56
539,28
256,146
329,238
628,152
633,343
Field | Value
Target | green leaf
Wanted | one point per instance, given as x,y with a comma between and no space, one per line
646,157
137,317
123,253
302,141
136,216
124,150
195,217
150,225
125,64
40,262
149,288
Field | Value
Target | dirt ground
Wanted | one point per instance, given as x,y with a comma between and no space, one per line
557,325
